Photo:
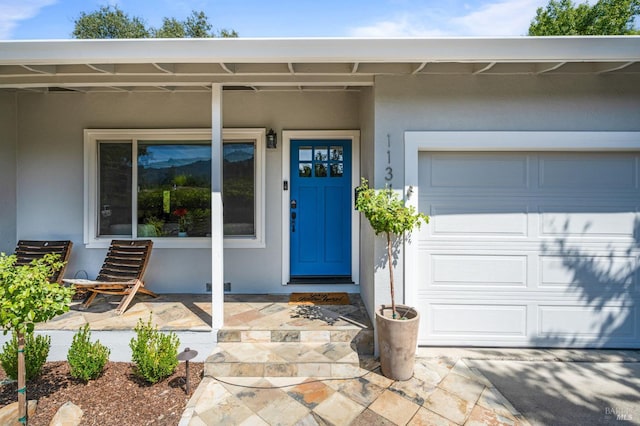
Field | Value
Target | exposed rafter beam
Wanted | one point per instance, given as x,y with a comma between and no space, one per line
41,69
35,89
168,68
604,68
103,68
226,68
419,68
543,68
186,80
117,89
487,67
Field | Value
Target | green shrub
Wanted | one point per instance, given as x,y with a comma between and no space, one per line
154,353
36,351
86,359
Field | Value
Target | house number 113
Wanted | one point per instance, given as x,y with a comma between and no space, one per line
388,177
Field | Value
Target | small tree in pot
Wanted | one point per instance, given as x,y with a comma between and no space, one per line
397,336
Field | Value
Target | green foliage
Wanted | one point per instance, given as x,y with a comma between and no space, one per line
386,212
153,353
112,22
171,28
86,359
197,201
26,295
109,22
36,351
605,17
158,225
197,25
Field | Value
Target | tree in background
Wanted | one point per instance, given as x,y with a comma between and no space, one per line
606,17
195,26
112,22
109,22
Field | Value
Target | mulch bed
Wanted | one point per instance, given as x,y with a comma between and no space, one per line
118,397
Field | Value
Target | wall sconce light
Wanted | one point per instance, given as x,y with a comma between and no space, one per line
272,139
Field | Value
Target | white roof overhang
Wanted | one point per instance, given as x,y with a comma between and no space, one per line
327,64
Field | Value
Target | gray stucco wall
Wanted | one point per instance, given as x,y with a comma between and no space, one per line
50,171
7,172
476,103
367,237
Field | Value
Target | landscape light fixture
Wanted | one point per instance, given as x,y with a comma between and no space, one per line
185,356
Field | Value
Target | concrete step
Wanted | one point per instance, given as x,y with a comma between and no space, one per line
283,359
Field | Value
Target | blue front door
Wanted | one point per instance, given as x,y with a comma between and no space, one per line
320,208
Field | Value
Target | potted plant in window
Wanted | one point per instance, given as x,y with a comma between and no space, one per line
397,325
183,221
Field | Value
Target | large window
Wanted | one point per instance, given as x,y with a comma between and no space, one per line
160,180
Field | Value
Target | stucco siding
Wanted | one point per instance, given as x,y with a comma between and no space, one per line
50,171
367,237
8,115
492,103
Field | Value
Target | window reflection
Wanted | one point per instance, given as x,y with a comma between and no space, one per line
174,189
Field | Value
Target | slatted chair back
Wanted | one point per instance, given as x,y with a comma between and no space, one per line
28,250
126,260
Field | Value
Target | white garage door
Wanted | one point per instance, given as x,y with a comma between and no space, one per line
529,249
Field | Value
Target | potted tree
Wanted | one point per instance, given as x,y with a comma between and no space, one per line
397,325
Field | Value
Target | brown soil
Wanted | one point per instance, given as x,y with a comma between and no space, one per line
118,397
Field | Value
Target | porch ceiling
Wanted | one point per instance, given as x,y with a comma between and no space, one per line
296,64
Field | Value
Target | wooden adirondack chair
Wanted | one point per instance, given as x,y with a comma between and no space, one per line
121,273
28,250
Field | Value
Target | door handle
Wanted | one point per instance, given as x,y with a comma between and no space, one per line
293,221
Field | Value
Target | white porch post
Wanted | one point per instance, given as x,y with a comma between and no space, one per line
217,234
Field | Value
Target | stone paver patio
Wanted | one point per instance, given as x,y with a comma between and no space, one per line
443,391
171,312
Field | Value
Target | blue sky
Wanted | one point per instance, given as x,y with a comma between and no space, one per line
53,19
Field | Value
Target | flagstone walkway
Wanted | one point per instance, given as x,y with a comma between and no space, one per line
443,391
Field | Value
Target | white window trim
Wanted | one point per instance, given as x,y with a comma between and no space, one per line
354,137
493,141
91,138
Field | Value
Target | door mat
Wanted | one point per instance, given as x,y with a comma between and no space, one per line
319,299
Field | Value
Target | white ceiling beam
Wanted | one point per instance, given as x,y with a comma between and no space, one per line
41,69
485,68
225,68
605,68
543,68
171,80
35,90
168,68
419,68
117,89
103,68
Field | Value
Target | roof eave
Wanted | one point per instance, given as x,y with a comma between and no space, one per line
322,50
